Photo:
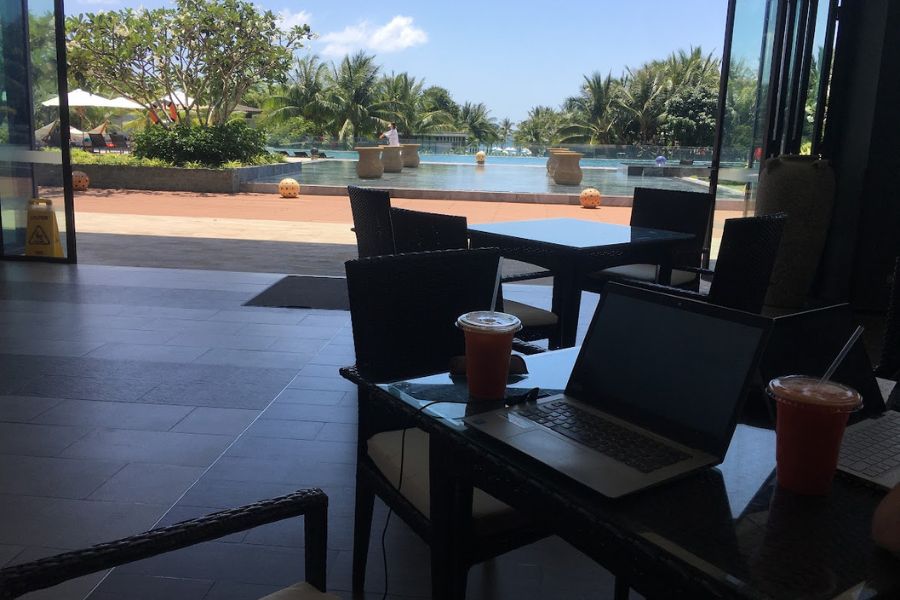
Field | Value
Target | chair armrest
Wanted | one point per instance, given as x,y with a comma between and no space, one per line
46,572
666,289
526,276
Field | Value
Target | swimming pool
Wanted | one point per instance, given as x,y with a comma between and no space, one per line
493,177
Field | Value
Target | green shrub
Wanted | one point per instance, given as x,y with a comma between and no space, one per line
207,146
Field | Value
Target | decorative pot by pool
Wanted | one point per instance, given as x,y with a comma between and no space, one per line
80,181
568,168
369,164
590,198
479,157
551,160
289,188
803,187
391,159
410,155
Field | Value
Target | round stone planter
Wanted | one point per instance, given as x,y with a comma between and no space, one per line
391,159
479,157
803,187
568,168
589,198
410,155
369,164
551,160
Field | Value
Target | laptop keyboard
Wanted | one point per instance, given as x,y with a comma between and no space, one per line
873,450
624,445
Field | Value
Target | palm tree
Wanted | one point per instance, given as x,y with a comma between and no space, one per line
401,97
304,97
475,119
352,96
591,117
640,99
504,129
539,130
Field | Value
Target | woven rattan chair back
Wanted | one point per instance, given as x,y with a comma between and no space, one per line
417,231
672,210
404,308
371,221
889,364
746,258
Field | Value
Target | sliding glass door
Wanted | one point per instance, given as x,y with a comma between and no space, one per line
36,209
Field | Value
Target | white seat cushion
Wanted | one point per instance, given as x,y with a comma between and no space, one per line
384,449
643,272
300,591
531,316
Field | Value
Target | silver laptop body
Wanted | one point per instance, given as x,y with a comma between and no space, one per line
672,371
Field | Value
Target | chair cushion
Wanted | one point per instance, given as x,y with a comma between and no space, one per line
299,591
384,450
531,316
643,272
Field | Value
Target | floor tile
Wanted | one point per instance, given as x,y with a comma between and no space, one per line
222,394
322,397
119,586
119,415
217,420
335,383
223,340
27,439
148,484
71,524
54,477
87,388
148,352
339,432
160,447
277,428
284,448
311,412
25,408
254,358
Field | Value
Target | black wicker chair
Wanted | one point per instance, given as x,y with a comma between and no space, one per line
417,231
313,503
371,221
403,309
889,363
684,212
744,265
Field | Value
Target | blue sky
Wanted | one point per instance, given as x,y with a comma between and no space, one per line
511,55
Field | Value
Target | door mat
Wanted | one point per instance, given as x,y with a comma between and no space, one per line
302,291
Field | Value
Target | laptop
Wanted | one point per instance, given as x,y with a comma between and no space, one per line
806,343
654,393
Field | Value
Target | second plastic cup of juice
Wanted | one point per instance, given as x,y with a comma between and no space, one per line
489,335
810,423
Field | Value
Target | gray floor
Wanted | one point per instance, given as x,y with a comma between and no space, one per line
136,396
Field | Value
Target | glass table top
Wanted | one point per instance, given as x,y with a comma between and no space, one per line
575,233
731,522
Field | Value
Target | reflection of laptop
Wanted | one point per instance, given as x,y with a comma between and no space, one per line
653,395
806,343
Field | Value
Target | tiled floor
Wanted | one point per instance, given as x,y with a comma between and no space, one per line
131,397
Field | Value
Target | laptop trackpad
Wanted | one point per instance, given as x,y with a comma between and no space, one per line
566,456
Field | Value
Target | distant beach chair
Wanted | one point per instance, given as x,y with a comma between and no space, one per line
301,154
119,143
686,162
283,152
99,143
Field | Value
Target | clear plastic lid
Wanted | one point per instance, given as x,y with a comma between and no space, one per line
809,391
489,321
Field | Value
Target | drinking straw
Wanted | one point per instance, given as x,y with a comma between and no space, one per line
496,289
842,354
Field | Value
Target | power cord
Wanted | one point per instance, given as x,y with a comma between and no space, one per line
399,488
529,396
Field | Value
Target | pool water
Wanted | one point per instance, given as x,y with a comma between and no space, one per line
469,159
493,177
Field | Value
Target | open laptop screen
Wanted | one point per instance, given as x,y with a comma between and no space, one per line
676,367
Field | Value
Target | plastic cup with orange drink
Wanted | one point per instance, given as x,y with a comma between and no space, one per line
489,335
811,417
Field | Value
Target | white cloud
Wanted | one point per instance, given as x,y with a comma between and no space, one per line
398,34
287,19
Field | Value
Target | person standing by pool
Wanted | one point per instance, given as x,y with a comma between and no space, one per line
392,136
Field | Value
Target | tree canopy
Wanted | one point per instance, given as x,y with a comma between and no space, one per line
210,51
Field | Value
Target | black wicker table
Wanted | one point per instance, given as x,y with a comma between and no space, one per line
572,248
727,532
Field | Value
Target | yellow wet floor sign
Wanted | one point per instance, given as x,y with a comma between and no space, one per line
42,235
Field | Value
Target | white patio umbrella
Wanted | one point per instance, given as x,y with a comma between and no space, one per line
80,97
178,98
123,102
